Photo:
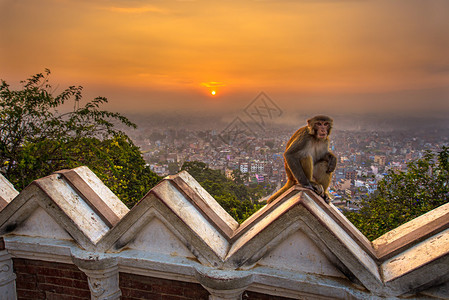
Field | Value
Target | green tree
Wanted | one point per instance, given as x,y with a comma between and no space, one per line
40,134
237,199
239,177
403,196
173,168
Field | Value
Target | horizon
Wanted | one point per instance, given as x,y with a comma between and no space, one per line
289,121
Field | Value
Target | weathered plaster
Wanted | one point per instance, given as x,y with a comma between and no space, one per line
299,253
344,237
418,256
155,237
74,207
253,231
41,224
188,213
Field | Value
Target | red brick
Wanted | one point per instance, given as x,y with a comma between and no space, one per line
143,295
42,263
76,292
49,280
125,292
25,276
74,274
135,281
51,288
32,269
161,281
53,296
49,272
18,261
170,289
19,267
197,292
130,283
25,284
27,294
59,281
80,284
172,297
40,278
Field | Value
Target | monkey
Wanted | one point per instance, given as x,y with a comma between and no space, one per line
307,158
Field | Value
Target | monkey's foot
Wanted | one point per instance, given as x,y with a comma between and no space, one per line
327,198
308,187
314,189
318,189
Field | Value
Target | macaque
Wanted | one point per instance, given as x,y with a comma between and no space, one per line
307,158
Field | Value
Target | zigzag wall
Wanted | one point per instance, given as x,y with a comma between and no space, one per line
67,236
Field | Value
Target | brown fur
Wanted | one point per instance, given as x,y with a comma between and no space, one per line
307,158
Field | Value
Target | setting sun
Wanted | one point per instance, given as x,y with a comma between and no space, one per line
213,93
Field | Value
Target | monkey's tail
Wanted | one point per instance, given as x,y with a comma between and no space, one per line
288,185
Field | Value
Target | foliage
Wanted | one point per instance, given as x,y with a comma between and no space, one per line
173,168
236,198
37,139
403,196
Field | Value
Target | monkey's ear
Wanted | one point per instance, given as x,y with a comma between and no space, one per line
330,127
310,128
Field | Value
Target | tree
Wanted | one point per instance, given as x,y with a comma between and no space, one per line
239,177
173,168
40,134
403,196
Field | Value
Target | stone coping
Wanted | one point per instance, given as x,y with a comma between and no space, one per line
411,233
381,249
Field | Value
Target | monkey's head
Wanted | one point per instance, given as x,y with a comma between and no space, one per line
320,126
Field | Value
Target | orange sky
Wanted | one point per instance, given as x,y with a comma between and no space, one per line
164,55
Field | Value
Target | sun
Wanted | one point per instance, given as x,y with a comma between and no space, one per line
213,93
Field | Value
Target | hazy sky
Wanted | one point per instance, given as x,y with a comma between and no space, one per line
308,56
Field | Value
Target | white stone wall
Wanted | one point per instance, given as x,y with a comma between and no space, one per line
298,247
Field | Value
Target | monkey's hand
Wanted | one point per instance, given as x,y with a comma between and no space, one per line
332,163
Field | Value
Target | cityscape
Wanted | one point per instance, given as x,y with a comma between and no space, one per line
365,154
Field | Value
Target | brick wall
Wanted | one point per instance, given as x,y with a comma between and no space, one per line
142,287
38,280
49,280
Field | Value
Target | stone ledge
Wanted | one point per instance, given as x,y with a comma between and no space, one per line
412,233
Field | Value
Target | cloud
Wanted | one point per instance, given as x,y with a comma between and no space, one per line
136,10
437,69
212,84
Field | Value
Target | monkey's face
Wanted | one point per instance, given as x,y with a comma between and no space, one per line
321,129
320,126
